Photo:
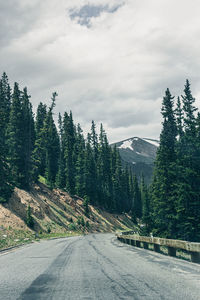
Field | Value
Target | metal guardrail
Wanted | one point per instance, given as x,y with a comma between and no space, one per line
193,249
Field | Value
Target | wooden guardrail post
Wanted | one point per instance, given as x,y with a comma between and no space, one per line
156,247
133,243
145,245
137,244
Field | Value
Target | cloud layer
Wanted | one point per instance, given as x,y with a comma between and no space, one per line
110,62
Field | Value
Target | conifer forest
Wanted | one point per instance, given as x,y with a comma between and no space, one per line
35,147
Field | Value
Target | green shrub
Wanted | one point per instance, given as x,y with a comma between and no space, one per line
72,226
82,221
79,221
87,224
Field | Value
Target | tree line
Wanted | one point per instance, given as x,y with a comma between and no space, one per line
34,148
175,190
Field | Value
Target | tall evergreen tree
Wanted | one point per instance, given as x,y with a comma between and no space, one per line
80,163
15,138
90,173
146,216
163,187
60,177
69,144
52,145
188,183
94,141
5,180
39,152
117,182
179,118
28,138
137,201
5,97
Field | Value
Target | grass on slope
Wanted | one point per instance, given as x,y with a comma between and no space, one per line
13,237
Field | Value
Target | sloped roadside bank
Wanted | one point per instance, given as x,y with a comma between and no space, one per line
55,214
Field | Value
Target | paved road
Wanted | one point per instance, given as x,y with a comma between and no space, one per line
94,267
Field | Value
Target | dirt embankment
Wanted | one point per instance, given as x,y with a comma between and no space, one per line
57,212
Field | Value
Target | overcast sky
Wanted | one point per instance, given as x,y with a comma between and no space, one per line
109,60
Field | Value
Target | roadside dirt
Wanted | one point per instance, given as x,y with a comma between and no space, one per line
56,211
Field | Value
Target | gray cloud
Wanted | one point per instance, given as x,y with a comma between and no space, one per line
84,14
116,72
17,18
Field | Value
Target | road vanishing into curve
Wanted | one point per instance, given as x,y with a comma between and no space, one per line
95,266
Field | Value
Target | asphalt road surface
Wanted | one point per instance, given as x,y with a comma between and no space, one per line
95,266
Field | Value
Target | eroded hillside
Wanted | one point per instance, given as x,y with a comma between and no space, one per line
54,211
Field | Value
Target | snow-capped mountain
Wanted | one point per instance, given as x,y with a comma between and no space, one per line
139,154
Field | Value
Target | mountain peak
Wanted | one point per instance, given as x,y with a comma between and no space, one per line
139,154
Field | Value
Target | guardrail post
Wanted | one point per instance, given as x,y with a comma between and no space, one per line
137,243
156,247
133,243
171,251
195,257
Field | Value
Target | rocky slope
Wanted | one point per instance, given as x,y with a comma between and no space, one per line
54,211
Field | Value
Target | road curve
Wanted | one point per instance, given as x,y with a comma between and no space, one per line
95,266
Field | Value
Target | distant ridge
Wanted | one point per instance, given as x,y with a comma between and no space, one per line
139,154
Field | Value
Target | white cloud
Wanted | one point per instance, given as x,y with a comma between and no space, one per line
114,72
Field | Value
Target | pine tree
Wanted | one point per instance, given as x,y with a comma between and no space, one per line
108,173
163,186
117,182
127,200
60,177
15,139
79,164
146,216
39,152
179,118
52,145
28,139
137,202
94,141
90,173
5,98
104,177
188,184
5,186
69,143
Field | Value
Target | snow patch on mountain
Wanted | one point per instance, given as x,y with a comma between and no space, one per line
138,153
126,145
155,143
142,153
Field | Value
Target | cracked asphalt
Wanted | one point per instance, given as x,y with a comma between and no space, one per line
95,266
